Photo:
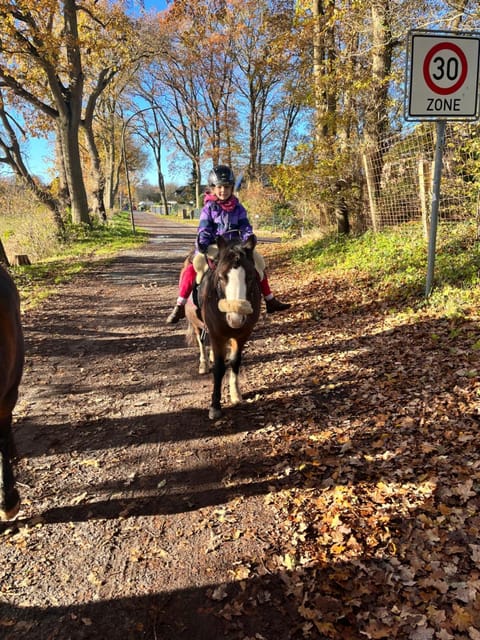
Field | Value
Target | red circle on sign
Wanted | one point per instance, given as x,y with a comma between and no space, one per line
426,68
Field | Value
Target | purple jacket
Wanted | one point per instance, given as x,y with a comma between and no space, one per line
230,221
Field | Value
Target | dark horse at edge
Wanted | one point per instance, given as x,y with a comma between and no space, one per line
11,368
229,300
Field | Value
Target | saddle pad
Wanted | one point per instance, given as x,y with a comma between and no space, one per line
200,263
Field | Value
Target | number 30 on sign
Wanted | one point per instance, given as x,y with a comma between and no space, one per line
442,76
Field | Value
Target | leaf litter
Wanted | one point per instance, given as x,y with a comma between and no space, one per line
348,511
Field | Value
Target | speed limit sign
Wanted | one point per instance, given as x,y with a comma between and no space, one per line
442,76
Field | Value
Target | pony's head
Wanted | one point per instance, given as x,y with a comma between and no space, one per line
235,272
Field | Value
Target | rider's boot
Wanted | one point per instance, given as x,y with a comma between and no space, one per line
177,314
275,305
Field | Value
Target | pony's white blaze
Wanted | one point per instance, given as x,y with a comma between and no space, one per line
236,289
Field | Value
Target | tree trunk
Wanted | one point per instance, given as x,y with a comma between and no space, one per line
73,173
377,122
98,192
252,129
341,214
163,195
198,183
70,111
290,117
157,152
63,193
111,171
109,184
324,57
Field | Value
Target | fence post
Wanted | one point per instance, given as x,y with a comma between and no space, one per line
371,194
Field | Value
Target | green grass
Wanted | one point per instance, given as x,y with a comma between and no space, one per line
39,280
394,263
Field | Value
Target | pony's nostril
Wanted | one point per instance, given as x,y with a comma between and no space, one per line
235,320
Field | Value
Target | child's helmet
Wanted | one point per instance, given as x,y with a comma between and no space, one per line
221,175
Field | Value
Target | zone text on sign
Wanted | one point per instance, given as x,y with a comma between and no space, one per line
443,104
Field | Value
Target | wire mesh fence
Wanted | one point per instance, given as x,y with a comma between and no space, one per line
383,187
399,176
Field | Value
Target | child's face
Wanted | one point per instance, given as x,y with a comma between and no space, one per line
223,192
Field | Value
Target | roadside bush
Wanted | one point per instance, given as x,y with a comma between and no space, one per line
260,203
284,219
26,227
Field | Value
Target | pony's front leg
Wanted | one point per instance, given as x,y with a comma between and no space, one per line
218,373
234,381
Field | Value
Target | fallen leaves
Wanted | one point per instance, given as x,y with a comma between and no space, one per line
381,509
360,437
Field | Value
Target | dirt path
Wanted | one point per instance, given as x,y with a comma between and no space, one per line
340,501
139,514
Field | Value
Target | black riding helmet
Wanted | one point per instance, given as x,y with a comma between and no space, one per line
221,175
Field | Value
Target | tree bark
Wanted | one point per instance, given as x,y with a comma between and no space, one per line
98,193
324,57
377,122
73,171
70,109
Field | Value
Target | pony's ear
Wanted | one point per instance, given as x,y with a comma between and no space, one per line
250,242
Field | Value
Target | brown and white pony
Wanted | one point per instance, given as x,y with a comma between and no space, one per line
229,301
11,368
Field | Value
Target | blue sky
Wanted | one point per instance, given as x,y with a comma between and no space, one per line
155,4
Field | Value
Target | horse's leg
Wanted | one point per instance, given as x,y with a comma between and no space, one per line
203,366
195,330
9,497
11,366
235,361
219,368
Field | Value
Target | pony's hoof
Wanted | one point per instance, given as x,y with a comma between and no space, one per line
10,505
214,413
235,395
203,369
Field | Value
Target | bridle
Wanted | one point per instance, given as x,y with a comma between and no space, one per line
236,261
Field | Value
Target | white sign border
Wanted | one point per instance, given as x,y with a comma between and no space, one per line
408,73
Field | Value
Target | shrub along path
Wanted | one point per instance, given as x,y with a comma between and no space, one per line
339,501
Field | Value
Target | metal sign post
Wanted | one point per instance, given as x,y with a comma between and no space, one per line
437,174
442,84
